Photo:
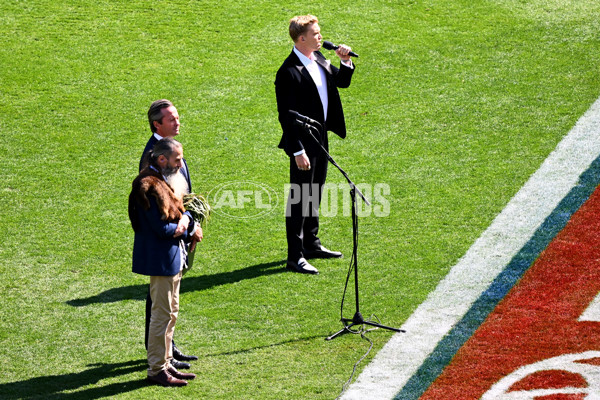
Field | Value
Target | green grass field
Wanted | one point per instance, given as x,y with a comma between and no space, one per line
454,104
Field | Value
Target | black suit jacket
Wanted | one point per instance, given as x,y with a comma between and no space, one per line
295,90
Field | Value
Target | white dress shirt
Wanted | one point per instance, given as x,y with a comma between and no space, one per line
318,76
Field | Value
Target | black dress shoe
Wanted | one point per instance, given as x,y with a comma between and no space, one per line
179,364
178,355
321,252
302,266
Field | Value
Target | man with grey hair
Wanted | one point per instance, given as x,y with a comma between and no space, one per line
162,228
163,119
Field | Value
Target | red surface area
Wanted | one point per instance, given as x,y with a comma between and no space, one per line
537,320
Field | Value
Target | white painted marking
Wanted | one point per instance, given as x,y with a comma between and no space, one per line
400,358
592,313
573,363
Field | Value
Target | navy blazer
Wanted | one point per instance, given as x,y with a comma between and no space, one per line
295,90
184,169
155,251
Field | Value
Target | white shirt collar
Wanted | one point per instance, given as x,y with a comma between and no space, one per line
303,59
157,136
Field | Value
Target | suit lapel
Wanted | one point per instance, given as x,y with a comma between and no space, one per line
306,75
304,72
322,61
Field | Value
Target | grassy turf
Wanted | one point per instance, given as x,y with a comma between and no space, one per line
453,105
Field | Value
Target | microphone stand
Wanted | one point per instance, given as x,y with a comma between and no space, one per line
357,319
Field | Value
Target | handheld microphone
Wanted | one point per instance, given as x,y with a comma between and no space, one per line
330,46
303,119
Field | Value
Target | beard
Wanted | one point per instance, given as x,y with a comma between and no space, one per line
176,181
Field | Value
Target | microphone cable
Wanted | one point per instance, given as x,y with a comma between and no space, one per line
361,331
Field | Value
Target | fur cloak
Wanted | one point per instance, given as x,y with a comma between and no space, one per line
151,183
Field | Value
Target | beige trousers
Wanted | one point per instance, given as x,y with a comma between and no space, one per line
164,291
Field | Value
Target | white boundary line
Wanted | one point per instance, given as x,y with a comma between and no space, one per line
592,312
401,357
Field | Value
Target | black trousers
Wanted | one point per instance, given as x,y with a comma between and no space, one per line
148,315
302,211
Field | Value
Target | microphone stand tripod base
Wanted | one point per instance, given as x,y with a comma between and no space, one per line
359,320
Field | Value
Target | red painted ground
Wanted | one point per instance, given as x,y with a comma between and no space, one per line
536,321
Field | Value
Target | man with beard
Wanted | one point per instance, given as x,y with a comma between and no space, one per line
162,229
164,123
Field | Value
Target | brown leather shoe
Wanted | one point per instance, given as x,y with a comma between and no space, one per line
165,379
180,375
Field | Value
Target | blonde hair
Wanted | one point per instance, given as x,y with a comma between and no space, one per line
299,25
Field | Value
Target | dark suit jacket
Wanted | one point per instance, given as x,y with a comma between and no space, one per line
155,251
184,170
295,90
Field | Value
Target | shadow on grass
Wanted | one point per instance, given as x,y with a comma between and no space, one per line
52,387
252,349
189,284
